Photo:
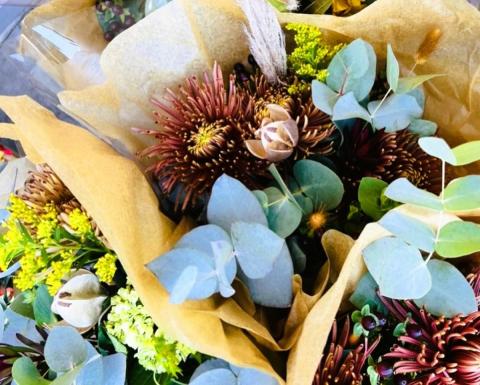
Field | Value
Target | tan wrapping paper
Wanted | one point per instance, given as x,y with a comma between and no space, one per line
76,24
184,38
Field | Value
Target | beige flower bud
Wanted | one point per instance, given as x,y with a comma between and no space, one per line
278,136
79,301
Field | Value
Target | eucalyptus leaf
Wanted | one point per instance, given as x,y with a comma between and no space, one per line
457,239
284,216
409,83
19,324
402,190
318,183
347,107
262,199
41,306
299,258
410,230
395,113
467,153
275,289
451,294
201,238
68,378
398,268
65,349
114,369
24,372
438,148
462,194
323,97
366,294
215,377
393,69
370,192
253,376
169,269
256,248
232,202
423,127
353,69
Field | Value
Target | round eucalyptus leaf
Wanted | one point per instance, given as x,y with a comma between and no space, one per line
65,349
215,377
201,238
256,248
284,216
275,289
24,372
232,202
253,376
208,365
451,294
398,269
318,183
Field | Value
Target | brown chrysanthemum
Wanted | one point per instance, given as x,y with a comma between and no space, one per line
444,351
43,187
339,365
202,135
315,128
388,156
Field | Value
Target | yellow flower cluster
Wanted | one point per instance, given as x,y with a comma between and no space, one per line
105,268
312,54
79,222
21,211
26,276
58,270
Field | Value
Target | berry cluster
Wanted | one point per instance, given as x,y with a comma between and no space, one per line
115,16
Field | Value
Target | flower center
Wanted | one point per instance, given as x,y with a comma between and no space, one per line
317,221
204,141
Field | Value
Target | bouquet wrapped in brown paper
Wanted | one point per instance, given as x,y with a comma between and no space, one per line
188,38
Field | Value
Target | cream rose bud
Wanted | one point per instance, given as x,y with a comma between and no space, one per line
278,136
79,302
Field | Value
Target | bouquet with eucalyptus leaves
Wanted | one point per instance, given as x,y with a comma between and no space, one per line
298,186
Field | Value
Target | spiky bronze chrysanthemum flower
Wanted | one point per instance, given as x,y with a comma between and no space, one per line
388,156
474,280
316,129
442,351
202,135
339,365
43,187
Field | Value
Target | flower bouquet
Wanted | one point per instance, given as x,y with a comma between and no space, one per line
267,159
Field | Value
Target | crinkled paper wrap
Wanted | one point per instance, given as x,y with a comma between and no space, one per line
118,196
76,27
184,38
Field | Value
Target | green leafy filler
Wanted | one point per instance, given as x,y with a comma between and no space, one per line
412,262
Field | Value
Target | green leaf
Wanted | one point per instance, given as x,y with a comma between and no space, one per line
402,190
395,113
451,294
256,248
323,97
262,199
357,316
231,201
373,375
467,153
393,69
42,306
319,7
398,268
281,183
408,84
19,306
299,258
369,195
462,194
409,230
353,69
423,127
347,107
457,239
438,148
400,330
366,293
69,377
118,346
284,216
65,349
318,183
24,372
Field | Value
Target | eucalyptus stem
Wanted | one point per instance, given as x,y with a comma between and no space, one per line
442,213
